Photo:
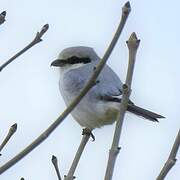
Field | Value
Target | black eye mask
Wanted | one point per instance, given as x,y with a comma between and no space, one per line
77,60
71,60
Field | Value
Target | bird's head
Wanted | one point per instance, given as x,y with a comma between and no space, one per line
74,57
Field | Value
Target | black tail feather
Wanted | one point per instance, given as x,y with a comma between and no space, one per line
135,109
144,113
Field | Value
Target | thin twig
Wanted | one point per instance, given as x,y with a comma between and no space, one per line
171,159
86,135
87,87
35,41
2,17
11,131
133,44
55,163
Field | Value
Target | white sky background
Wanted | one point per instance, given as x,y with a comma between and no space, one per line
29,93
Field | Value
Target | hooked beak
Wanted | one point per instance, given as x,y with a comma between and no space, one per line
58,63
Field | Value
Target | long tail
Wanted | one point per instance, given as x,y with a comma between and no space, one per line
144,113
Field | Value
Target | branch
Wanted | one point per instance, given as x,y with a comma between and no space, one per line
55,163
171,159
12,130
86,135
2,17
88,86
35,41
133,44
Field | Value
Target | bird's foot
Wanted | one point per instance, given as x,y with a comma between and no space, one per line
88,132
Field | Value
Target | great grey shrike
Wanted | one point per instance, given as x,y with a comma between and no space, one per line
100,106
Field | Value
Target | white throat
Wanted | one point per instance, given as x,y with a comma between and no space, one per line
67,68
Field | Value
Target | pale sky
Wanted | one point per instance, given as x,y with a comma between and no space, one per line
29,93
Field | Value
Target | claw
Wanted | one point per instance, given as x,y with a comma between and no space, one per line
88,132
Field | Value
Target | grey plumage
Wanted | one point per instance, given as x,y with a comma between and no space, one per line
101,104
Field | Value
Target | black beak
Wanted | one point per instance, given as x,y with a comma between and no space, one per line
58,63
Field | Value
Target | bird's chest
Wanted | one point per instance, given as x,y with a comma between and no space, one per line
70,86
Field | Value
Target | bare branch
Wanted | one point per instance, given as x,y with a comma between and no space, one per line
2,17
35,41
133,44
55,163
86,134
171,159
87,87
11,131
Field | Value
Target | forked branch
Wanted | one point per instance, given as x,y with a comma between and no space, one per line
88,86
35,41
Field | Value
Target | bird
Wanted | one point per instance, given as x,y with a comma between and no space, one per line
101,105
